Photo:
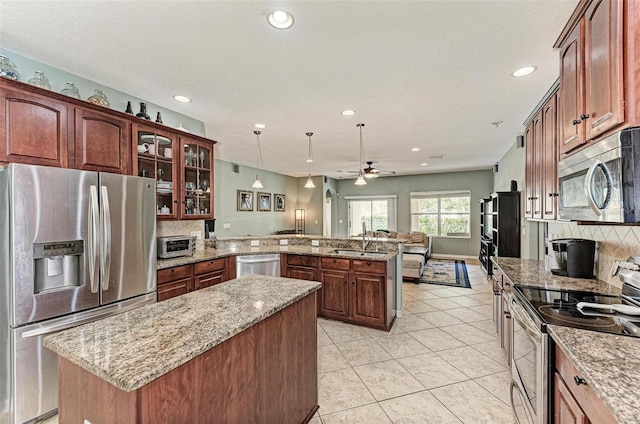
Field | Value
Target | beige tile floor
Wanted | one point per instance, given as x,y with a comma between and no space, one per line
441,363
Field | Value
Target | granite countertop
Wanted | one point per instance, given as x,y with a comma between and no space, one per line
532,272
134,348
209,254
610,364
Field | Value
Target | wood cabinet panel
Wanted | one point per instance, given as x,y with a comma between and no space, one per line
210,279
367,298
209,266
102,142
196,179
175,273
536,200
581,391
174,288
567,410
603,67
302,260
571,91
529,171
302,273
549,167
34,129
335,263
372,267
335,293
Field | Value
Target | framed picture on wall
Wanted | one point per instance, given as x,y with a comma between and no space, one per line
245,200
264,202
279,204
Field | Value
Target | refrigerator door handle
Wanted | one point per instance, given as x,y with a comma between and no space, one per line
92,245
106,228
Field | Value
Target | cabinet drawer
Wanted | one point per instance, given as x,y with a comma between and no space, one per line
335,263
209,266
583,393
302,260
378,267
175,273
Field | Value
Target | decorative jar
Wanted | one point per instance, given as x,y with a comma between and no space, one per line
39,80
71,90
99,99
8,69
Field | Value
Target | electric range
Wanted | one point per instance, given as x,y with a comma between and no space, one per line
559,307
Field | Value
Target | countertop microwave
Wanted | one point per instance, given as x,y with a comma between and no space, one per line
176,246
601,183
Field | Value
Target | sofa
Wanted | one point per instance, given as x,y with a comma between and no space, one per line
416,251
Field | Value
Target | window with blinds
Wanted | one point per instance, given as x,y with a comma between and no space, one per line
442,213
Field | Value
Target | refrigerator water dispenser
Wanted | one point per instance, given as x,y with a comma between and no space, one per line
57,265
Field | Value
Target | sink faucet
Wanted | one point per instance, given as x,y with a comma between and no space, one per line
364,231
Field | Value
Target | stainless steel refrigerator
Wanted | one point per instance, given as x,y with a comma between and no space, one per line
75,246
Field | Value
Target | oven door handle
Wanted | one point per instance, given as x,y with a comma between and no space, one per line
530,329
513,406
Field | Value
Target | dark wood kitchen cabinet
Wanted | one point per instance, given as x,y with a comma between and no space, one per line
176,281
574,399
196,172
302,267
35,127
549,166
529,176
355,291
598,79
101,142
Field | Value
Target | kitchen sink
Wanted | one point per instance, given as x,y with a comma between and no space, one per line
360,253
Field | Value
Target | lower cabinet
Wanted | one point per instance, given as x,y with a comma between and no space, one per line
501,312
183,279
353,290
574,399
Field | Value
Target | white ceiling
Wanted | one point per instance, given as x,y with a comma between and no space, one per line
428,74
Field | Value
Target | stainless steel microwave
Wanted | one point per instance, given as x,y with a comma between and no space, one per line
601,183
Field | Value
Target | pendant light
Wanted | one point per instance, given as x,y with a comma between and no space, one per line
309,183
360,181
257,183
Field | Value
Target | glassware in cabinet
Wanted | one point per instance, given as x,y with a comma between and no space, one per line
197,160
155,160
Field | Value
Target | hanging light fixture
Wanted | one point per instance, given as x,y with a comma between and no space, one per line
360,181
257,183
309,183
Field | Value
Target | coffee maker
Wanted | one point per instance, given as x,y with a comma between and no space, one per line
574,257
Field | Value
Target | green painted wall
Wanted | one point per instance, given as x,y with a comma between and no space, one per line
117,99
480,183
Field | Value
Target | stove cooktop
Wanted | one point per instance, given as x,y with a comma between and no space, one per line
558,307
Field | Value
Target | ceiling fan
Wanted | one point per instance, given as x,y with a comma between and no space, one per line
371,172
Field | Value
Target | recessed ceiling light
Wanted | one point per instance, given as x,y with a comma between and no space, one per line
280,19
348,112
182,99
437,157
523,72
261,126
415,149
423,164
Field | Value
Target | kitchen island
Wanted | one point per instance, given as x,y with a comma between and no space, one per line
239,352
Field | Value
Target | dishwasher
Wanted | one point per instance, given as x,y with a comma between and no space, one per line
265,264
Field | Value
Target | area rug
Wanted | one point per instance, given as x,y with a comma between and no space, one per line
446,273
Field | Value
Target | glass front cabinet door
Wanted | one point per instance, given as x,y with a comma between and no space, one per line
197,179
156,153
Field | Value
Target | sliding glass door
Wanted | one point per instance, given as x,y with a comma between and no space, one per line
377,213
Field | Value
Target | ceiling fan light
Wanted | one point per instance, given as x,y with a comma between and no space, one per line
360,181
309,183
370,175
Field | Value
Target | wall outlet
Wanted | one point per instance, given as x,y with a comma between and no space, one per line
226,225
255,242
315,243
284,242
197,234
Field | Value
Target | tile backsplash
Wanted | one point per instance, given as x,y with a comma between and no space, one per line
614,242
179,228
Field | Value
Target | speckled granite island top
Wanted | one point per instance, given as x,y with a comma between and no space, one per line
134,348
610,364
531,272
209,254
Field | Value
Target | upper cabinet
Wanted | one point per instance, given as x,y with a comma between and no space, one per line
41,127
157,156
593,71
102,142
34,128
197,179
